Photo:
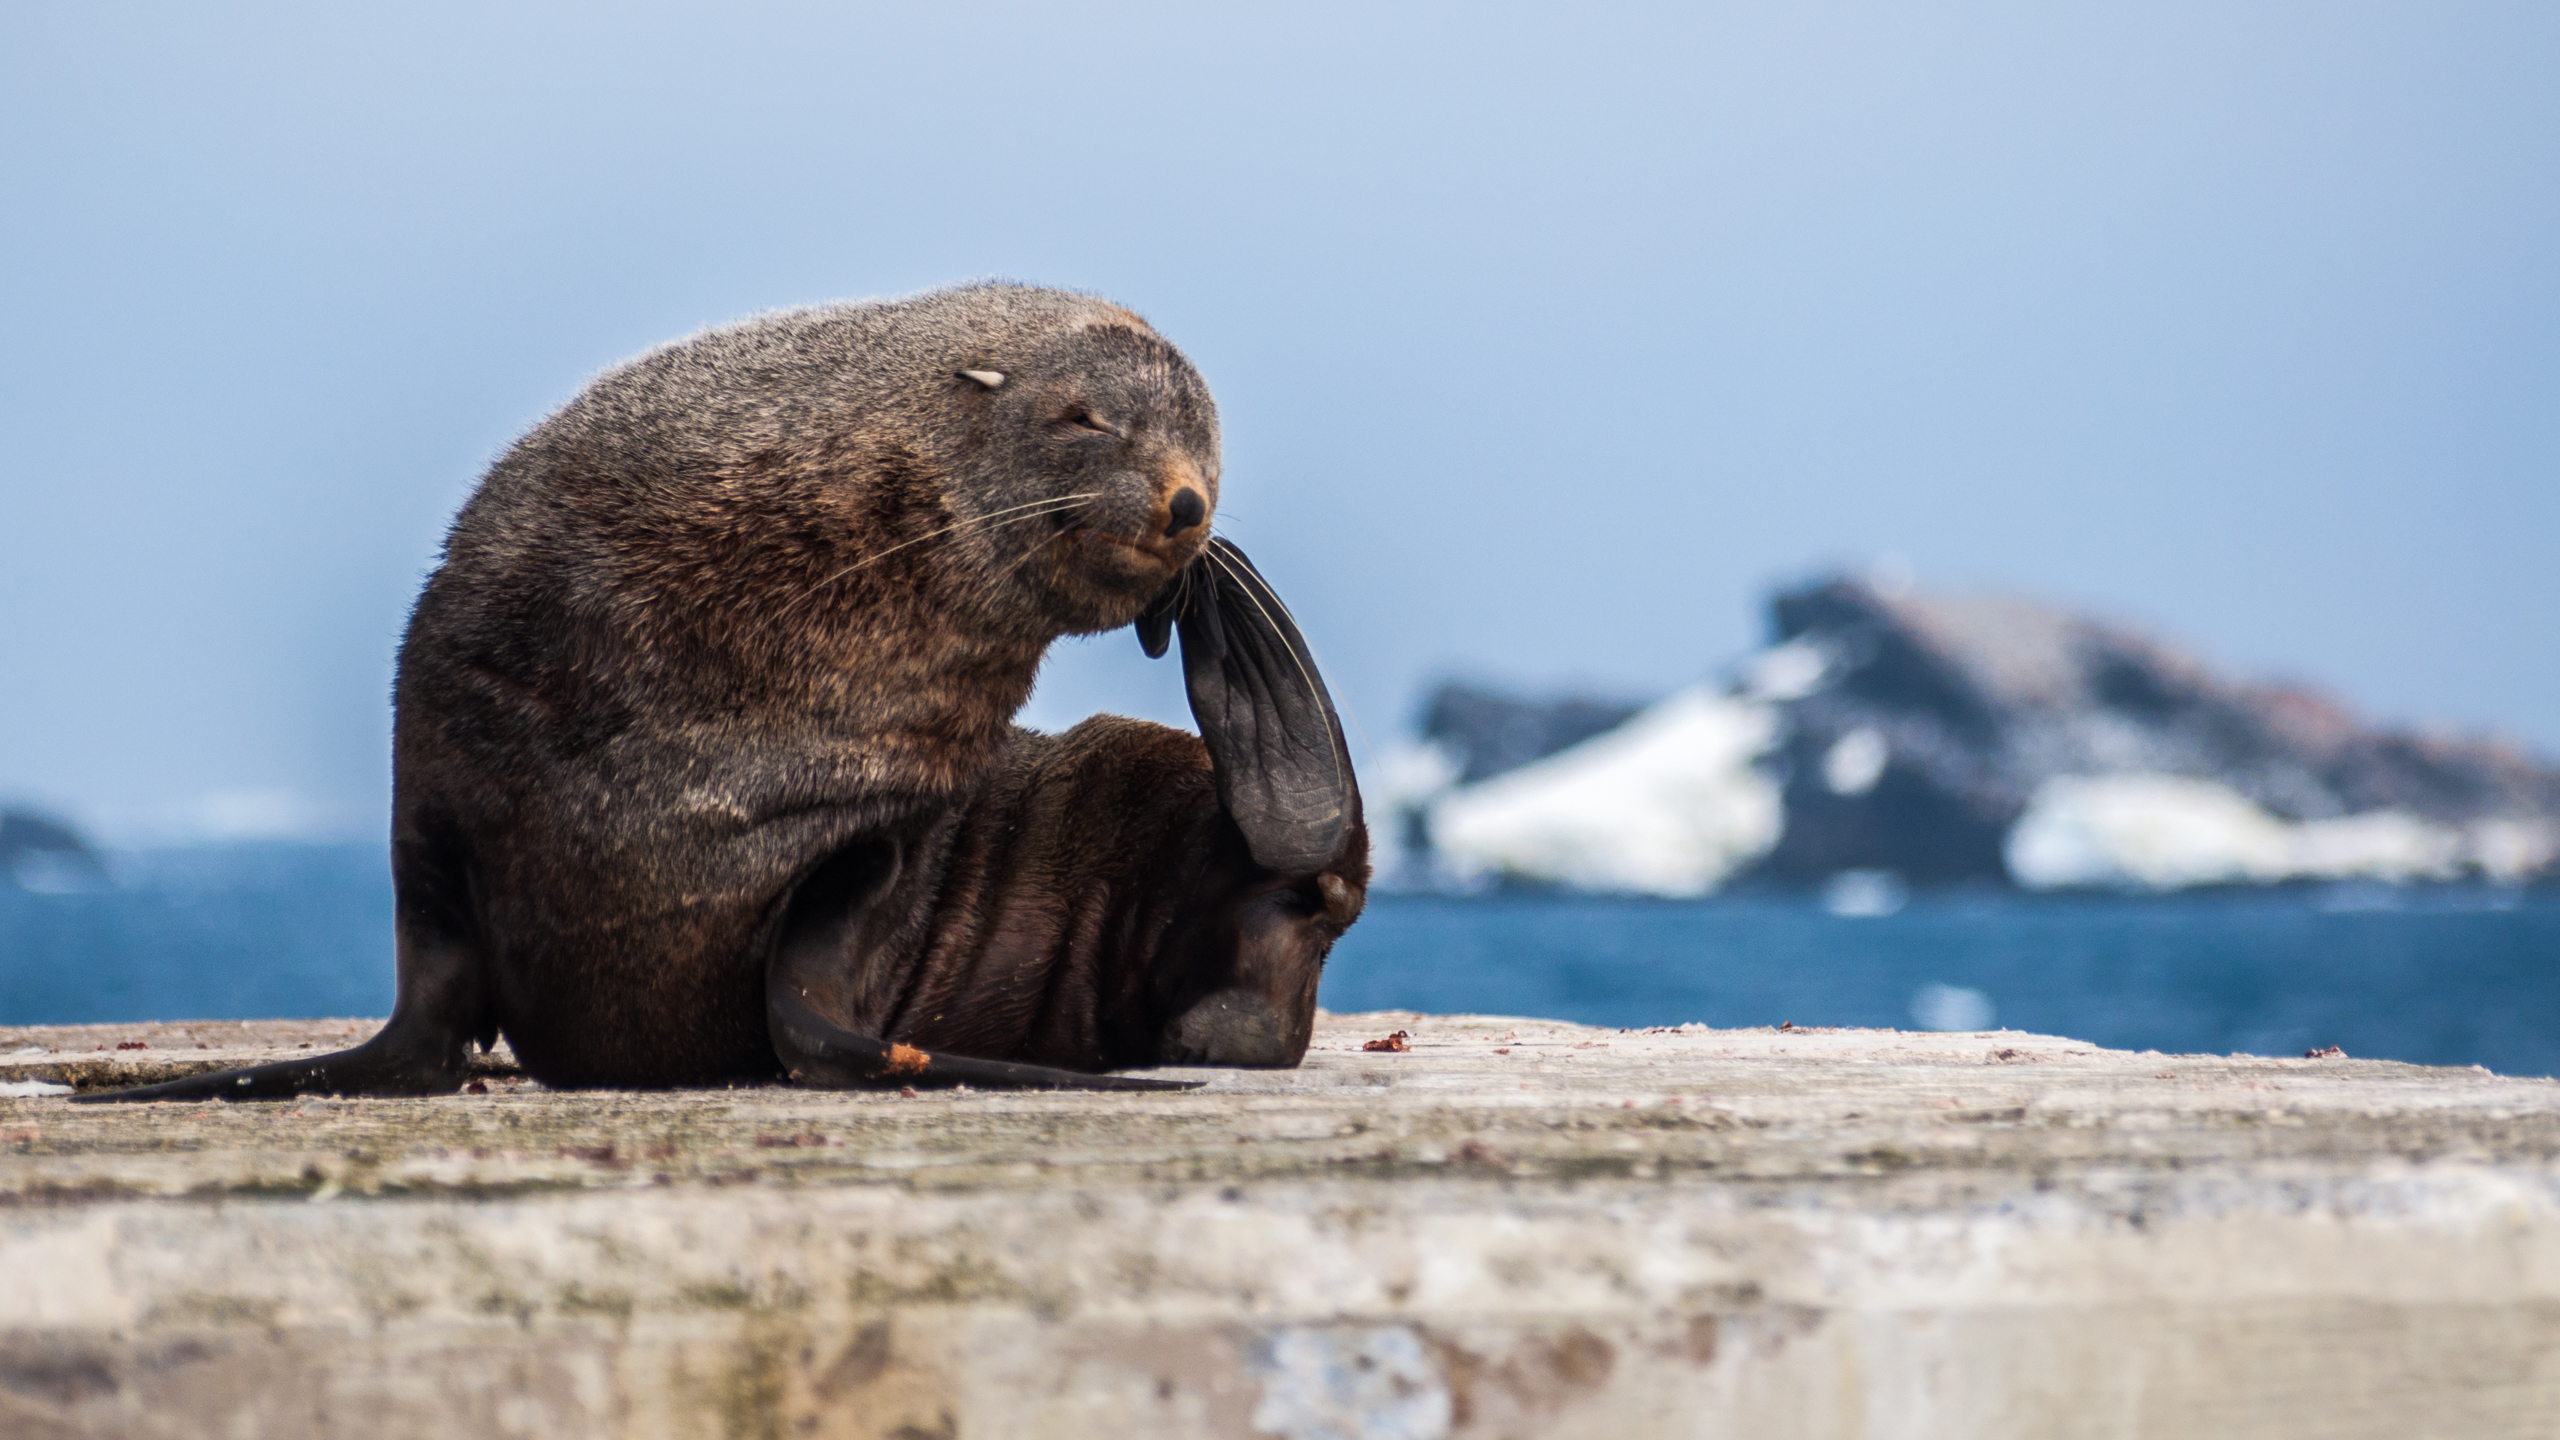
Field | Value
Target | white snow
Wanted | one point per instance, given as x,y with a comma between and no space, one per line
2162,832
1669,803
1786,672
1855,762
1408,774
2508,850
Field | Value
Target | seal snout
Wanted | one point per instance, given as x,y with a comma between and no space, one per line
1186,511
1230,1027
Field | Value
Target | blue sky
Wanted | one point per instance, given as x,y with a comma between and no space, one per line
1546,339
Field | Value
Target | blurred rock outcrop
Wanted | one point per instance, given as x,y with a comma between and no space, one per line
1926,739
1486,733
1978,738
37,853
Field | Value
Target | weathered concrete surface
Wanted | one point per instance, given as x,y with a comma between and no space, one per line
1517,1228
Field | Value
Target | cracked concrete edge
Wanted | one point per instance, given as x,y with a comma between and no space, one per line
1283,1310
1515,1228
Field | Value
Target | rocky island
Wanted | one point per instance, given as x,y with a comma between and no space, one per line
1939,739
41,853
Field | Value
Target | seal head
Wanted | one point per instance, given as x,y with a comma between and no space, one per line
1108,430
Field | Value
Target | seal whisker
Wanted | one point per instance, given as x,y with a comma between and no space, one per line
993,520
1081,502
1025,558
1010,514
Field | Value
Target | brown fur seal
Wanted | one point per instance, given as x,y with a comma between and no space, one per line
703,763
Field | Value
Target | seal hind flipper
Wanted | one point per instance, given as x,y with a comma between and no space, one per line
414,1053
373,1068
423,1049
816,1051
1274,741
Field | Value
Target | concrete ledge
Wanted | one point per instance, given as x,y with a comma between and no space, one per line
1516,1228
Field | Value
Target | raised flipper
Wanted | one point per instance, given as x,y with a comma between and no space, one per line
1273,739
423,1049
831,923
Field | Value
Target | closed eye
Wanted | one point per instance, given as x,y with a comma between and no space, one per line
1086,421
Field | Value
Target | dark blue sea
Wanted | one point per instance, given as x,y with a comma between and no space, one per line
2441,976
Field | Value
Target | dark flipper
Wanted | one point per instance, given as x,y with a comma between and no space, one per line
818,1052
1155,623
831,924
425,1047
419,1051
1273,739
391,1063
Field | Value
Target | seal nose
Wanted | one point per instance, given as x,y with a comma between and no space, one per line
1187,509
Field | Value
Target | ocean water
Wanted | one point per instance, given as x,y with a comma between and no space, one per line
231,932
2444,977
2441,976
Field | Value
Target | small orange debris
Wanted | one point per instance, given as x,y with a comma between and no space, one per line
1394,1043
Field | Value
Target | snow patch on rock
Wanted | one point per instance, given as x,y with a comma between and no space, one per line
2162,832
1671,803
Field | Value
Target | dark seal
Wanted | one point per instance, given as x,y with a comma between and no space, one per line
704,767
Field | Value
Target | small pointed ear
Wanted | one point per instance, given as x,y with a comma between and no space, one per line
988,378
1282,771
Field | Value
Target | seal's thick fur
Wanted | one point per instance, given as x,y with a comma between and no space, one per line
704,765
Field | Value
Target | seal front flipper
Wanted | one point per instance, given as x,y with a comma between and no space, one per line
1155,623
816,1051
1273,738
831,933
